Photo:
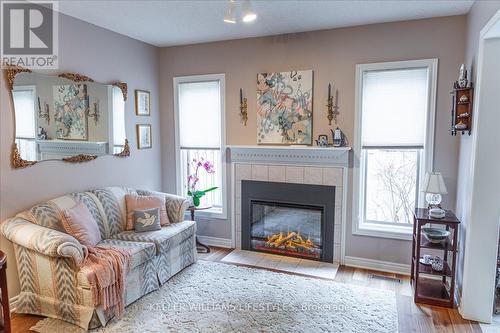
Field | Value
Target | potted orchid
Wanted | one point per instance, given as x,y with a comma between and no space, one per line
193,179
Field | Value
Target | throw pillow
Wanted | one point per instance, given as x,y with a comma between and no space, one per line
142,202
79,223
147,220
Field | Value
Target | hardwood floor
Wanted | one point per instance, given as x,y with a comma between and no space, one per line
412,318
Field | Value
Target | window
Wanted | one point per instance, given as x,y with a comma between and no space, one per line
119,135
199,110
24,106
395,108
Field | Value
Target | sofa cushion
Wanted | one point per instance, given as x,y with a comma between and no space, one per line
169,236
140,251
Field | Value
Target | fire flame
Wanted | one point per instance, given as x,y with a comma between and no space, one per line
292,241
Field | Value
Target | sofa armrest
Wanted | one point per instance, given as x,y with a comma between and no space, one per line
176,206
46,241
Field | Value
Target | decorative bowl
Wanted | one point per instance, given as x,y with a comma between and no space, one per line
435,235
437,264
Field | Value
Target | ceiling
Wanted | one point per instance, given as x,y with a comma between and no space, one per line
176,22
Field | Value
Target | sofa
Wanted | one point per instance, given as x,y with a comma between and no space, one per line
48,259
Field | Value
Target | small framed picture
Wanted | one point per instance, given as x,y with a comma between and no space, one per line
144,140
142,103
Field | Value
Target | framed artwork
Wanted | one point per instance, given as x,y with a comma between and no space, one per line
142,103
144,140
284,108
70,107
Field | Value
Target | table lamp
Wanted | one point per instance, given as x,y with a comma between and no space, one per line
433,186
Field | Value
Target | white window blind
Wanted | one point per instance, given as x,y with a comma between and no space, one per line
24,105
199,115
394,106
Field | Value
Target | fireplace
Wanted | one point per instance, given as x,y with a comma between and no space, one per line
288,219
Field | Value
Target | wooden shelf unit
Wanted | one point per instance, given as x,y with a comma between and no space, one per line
461,111
431,286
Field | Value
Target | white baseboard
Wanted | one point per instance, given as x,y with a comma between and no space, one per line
378,265
13,303
215,241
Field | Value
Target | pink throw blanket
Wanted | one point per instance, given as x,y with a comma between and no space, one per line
105,269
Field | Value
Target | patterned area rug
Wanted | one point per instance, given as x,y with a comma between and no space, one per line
217,297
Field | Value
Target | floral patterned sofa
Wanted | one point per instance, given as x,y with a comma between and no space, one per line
48,259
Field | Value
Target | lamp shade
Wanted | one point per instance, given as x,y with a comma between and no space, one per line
434,183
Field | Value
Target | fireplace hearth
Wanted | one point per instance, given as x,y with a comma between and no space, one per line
288,219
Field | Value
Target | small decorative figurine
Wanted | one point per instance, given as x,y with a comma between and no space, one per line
460,126
464,99
322,140
462,80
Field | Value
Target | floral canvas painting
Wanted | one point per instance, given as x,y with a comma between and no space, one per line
284,107
70,105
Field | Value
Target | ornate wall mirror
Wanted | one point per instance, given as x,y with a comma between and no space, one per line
66,117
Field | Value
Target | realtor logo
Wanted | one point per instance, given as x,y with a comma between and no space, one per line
29,34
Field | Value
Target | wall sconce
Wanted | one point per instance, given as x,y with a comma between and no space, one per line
43,114
94,113
243,108
331,107
329,104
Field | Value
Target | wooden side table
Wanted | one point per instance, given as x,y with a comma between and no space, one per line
5,324
204,248
430,286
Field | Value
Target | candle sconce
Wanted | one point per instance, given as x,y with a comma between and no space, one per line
332,109
94,113
43,113
243,108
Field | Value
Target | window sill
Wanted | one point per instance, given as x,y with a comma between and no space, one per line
212,213
383,231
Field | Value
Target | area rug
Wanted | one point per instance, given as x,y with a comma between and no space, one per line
218,297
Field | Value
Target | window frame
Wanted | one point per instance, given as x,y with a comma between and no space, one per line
210,213
31,88
390,230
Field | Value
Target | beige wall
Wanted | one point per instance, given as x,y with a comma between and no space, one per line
332,54
104,56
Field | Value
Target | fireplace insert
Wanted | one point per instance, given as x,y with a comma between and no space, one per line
288,219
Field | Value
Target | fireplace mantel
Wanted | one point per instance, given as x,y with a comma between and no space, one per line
292,164
328,156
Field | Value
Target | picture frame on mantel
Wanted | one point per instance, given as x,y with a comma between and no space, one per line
142,103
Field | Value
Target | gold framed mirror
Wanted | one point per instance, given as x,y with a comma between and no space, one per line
67,117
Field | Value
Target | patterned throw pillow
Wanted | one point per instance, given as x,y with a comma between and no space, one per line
142,202
147,220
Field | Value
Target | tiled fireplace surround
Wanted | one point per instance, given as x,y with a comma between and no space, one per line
303,165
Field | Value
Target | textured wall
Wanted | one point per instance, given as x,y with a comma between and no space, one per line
104,56
333,55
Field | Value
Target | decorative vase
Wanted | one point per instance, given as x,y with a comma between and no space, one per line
196,201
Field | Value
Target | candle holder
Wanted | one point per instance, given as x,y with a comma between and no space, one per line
44,113
243,108
94,112
329,107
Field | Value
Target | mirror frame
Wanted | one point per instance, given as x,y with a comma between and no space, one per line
16,161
